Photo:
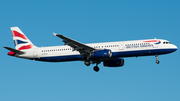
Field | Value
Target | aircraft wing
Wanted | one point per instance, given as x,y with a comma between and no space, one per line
82,48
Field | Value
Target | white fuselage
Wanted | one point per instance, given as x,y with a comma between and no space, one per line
119,50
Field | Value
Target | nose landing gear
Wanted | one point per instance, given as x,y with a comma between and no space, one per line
157,61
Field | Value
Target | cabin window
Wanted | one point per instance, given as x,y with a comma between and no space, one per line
166,43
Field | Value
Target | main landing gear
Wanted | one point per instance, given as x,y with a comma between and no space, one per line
96,68
88,63
157,61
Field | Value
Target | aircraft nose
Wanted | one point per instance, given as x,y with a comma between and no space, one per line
174,47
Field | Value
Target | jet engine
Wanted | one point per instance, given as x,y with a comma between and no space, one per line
101,53
114,63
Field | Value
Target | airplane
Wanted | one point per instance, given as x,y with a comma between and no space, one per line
110,53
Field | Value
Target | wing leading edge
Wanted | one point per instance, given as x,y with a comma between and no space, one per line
82,48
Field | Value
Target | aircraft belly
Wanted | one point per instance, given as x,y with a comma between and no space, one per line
114,55
60,58
142,52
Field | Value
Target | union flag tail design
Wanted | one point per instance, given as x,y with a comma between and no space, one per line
20,40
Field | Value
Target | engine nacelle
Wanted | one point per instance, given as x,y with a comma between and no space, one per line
114,63
101,53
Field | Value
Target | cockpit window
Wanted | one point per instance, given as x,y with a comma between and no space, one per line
166,42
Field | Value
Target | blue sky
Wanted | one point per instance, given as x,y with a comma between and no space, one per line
140,79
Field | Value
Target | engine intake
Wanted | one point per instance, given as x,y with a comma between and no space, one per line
114,63
101,53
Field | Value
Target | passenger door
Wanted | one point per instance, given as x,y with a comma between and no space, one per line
35,52
121,46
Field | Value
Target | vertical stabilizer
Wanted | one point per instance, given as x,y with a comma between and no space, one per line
20,40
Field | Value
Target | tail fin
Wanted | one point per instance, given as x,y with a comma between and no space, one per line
20,40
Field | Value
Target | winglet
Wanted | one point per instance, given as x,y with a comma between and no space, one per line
54,34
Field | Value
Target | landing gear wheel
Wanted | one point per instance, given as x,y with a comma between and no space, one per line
157,61
96,68
87,63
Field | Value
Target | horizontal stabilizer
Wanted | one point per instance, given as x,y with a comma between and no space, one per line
14,50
